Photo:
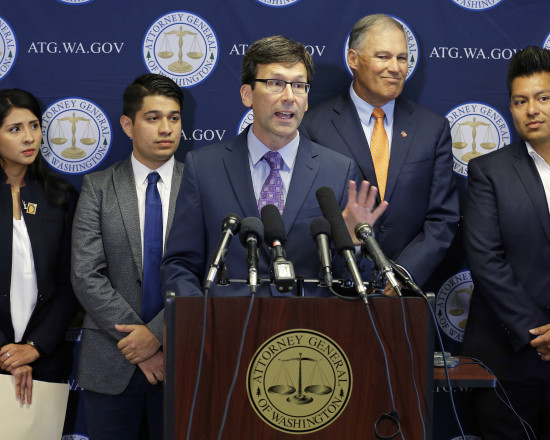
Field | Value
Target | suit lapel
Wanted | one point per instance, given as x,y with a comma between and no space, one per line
125,189
33,193
529,176
404,130
303,176
174,191
237,166
347,124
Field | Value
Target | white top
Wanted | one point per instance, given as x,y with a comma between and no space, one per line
163,185
23,289
544,171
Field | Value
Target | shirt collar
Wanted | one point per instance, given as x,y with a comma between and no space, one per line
365,109
256,149
141,171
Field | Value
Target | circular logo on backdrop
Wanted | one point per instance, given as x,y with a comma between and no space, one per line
299,381
277,3
76,135
246,120
75,2
182,46
412,49
476,129
8,48
546,44
453,304
476,5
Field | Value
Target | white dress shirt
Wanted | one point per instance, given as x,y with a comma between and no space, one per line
164,184
367,120
544,171
259,169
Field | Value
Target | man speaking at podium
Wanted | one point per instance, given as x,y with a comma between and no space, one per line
229,178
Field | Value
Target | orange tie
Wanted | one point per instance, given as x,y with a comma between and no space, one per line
380,151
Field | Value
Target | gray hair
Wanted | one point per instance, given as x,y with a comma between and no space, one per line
364,25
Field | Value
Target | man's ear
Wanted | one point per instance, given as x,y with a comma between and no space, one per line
127,125
352,57
246,95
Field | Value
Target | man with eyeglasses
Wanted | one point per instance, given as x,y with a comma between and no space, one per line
235,177
415,173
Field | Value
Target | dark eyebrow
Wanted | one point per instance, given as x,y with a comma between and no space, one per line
15,124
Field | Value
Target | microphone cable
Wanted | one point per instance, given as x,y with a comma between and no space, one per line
237,366
393,416
230,224
504,398
344,245
438,333
199,367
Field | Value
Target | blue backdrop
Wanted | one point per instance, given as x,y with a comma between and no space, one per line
78,56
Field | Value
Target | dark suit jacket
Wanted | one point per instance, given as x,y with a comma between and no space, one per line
50,235
107,273
217,182
507,241
421,221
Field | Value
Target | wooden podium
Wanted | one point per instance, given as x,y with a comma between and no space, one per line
345,322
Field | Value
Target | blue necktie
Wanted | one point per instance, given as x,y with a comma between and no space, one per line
152,301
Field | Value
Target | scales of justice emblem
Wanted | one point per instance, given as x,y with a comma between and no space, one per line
460,142
460,304
58,138
194,51
301,396
299,381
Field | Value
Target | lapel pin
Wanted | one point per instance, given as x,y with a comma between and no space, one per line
30,208
404,134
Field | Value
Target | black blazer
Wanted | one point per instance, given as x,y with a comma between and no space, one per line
507,243
50,235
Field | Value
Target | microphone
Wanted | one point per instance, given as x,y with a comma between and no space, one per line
405,279
275,238
340,236
230,226
320,232
252,231
365,234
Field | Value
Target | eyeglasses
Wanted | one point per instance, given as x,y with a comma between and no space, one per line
278,85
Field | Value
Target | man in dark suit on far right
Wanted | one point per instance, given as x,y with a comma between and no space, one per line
507,240
406,154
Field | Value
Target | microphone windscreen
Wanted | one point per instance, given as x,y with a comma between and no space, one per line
274,228
331,211
319,225
251,225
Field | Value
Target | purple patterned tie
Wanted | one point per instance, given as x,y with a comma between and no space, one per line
272,189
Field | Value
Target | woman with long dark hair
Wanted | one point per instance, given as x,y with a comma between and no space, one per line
37,303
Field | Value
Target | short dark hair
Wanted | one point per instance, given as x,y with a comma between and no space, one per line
526,62
275,49
363,26
149,84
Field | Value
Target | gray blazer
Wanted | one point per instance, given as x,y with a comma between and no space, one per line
106,272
